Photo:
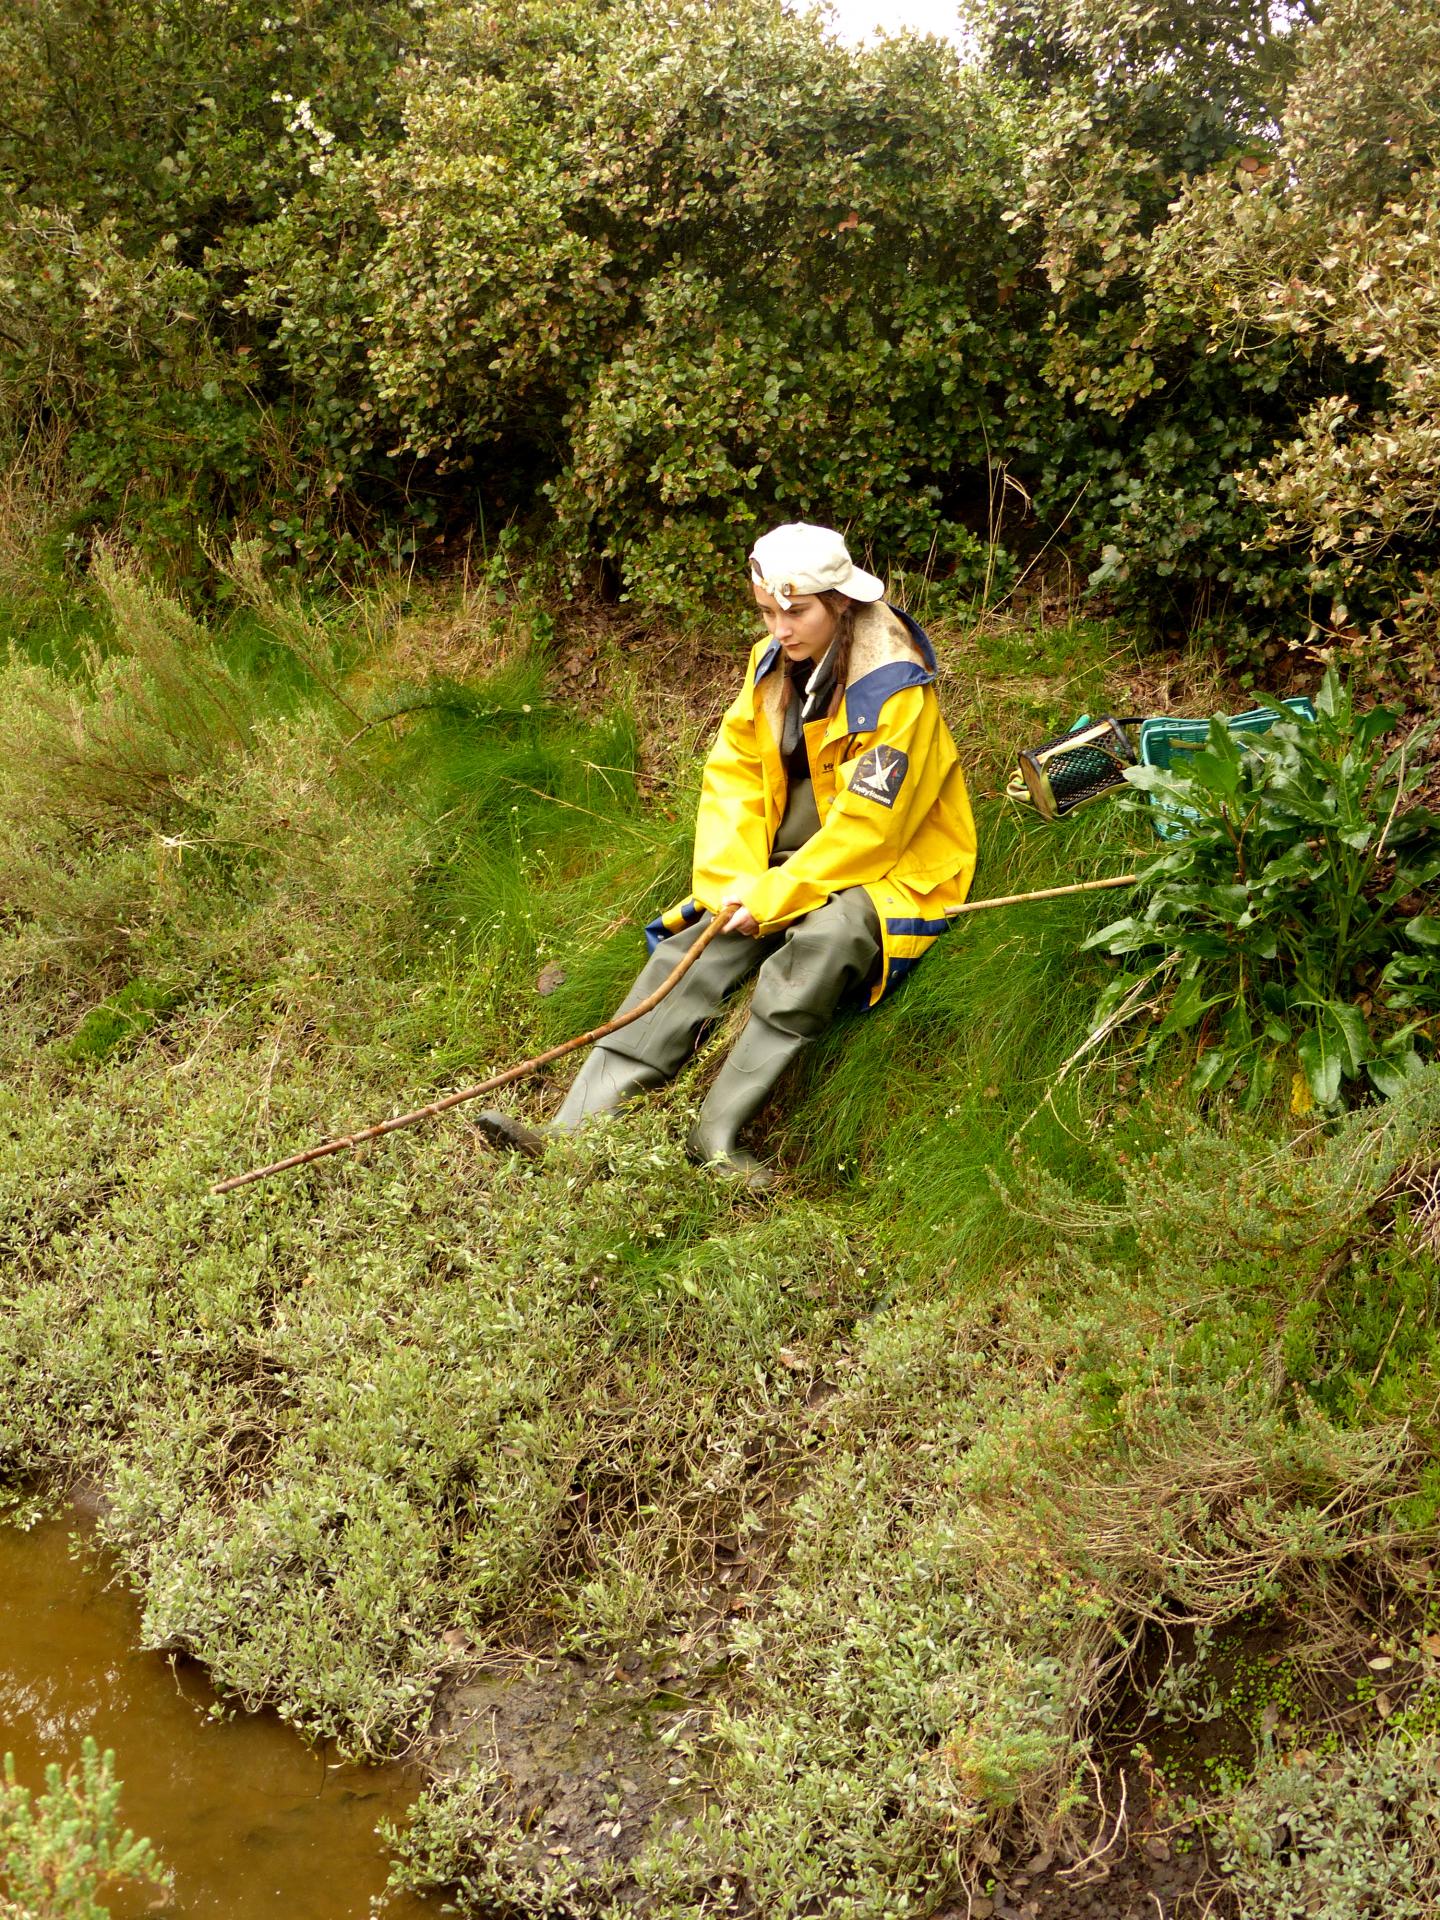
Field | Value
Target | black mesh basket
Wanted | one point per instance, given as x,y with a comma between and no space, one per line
1075,767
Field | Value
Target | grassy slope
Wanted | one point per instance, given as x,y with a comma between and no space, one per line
1014,1373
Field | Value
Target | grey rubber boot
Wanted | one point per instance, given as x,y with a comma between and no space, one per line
751,1069
796,993
605,1082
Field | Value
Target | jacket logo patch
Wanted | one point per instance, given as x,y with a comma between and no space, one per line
880,774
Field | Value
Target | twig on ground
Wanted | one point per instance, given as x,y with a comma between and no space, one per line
1100,1849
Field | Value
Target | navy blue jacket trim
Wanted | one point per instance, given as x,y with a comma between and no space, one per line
766,661
918,635
656,930
917,926
865,700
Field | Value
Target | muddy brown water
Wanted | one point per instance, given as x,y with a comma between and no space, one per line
255,1824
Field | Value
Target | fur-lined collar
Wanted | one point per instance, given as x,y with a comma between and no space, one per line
888,651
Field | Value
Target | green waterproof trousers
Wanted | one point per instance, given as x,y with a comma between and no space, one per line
804,972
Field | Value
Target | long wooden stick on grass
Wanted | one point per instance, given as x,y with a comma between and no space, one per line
526,1067
1048,893
483,1086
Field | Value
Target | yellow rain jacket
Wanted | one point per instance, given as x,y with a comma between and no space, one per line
894,814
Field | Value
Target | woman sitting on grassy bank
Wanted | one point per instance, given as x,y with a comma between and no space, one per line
834,837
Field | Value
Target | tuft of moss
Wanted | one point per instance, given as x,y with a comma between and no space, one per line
121,1021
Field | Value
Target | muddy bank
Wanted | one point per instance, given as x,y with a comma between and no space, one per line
1151,1879
568,1764
572,1763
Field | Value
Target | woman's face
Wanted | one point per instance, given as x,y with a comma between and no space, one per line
804,629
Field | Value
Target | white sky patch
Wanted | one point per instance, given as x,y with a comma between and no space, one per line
859,20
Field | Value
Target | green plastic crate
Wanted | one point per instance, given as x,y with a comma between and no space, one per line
1164,742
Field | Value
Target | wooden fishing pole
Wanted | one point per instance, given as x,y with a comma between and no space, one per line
642,1007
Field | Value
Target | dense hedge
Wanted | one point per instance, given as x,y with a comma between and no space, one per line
645,276
672,267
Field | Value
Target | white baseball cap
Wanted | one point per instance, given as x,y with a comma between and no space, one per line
799,558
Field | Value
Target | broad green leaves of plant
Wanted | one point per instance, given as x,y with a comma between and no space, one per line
1298,912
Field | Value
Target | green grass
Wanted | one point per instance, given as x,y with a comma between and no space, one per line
1030,1355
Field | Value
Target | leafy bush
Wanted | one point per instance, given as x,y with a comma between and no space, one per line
132,144
135,112
1320,260
1127,102
114,345
785,286
1296,908
360,278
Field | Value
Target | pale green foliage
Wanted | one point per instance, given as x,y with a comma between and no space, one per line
62,1850
1330,249
1003,1493
957,1602
1352,1836
963,1447
437,1370
1005,1488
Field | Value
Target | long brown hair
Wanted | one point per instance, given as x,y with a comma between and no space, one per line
843,607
